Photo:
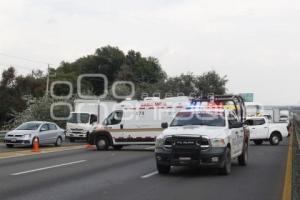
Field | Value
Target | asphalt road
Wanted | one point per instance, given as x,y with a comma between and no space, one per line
131,174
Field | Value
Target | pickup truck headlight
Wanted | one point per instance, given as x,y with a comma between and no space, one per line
159,142
216,142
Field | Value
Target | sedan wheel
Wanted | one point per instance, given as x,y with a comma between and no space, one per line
58,142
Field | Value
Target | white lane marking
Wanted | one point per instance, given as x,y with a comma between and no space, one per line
150,148
150,174
49,167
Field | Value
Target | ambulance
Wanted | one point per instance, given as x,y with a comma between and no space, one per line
136,122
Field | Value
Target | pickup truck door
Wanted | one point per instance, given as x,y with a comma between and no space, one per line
237,135
261,127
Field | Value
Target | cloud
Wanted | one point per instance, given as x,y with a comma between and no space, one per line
256,43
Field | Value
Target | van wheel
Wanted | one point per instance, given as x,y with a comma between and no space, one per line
258,142
226,169
9,145
163,169
58,142
101,143
118,147
275,139
243,158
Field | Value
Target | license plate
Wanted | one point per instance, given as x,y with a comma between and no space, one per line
13,140
184,158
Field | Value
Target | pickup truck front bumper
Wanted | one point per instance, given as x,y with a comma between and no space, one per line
211,157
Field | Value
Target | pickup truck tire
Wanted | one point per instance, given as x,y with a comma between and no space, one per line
163,169
9,145
258,142
275,138
102,143
243,158
226,169
118,147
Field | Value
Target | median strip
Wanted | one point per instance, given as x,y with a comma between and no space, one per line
287,189
49,167
13,154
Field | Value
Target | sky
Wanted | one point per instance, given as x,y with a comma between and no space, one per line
255,43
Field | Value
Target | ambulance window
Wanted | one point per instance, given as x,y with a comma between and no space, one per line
115,117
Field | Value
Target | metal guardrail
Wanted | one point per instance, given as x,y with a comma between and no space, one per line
2,134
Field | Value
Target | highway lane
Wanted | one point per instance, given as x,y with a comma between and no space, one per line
131,174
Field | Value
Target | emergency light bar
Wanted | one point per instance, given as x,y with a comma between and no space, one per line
221,101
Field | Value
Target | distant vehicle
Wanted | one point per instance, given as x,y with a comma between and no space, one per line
206,134
86,116
254,109
45,132
136,122
262,130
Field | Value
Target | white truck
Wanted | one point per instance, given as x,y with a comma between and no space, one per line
205,135
262,130
136,122
87,114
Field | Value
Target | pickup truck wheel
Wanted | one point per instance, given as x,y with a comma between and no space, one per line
102,143
243,158
118,147
9,145
226,169
258,142
275,139
163,169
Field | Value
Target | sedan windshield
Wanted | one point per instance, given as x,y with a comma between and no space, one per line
79,118
29,126
203,118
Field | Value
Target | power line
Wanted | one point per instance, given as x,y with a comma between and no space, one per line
27,68
26,59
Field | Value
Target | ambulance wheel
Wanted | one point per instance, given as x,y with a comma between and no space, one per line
118,147
163,169
102,143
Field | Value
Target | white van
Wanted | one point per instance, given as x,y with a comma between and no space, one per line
87,114
136,122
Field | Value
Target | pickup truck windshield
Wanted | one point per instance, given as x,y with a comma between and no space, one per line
79,118
203,118
29,126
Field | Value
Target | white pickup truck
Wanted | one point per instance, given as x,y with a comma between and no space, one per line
262,130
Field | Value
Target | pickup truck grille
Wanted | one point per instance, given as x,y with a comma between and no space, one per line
187,142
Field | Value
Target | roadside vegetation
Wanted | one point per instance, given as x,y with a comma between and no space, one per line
23,96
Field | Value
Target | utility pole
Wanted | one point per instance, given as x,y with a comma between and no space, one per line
47,84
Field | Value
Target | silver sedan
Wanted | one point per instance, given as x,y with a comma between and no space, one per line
45,132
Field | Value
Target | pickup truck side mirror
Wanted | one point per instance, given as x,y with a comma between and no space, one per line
164,125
